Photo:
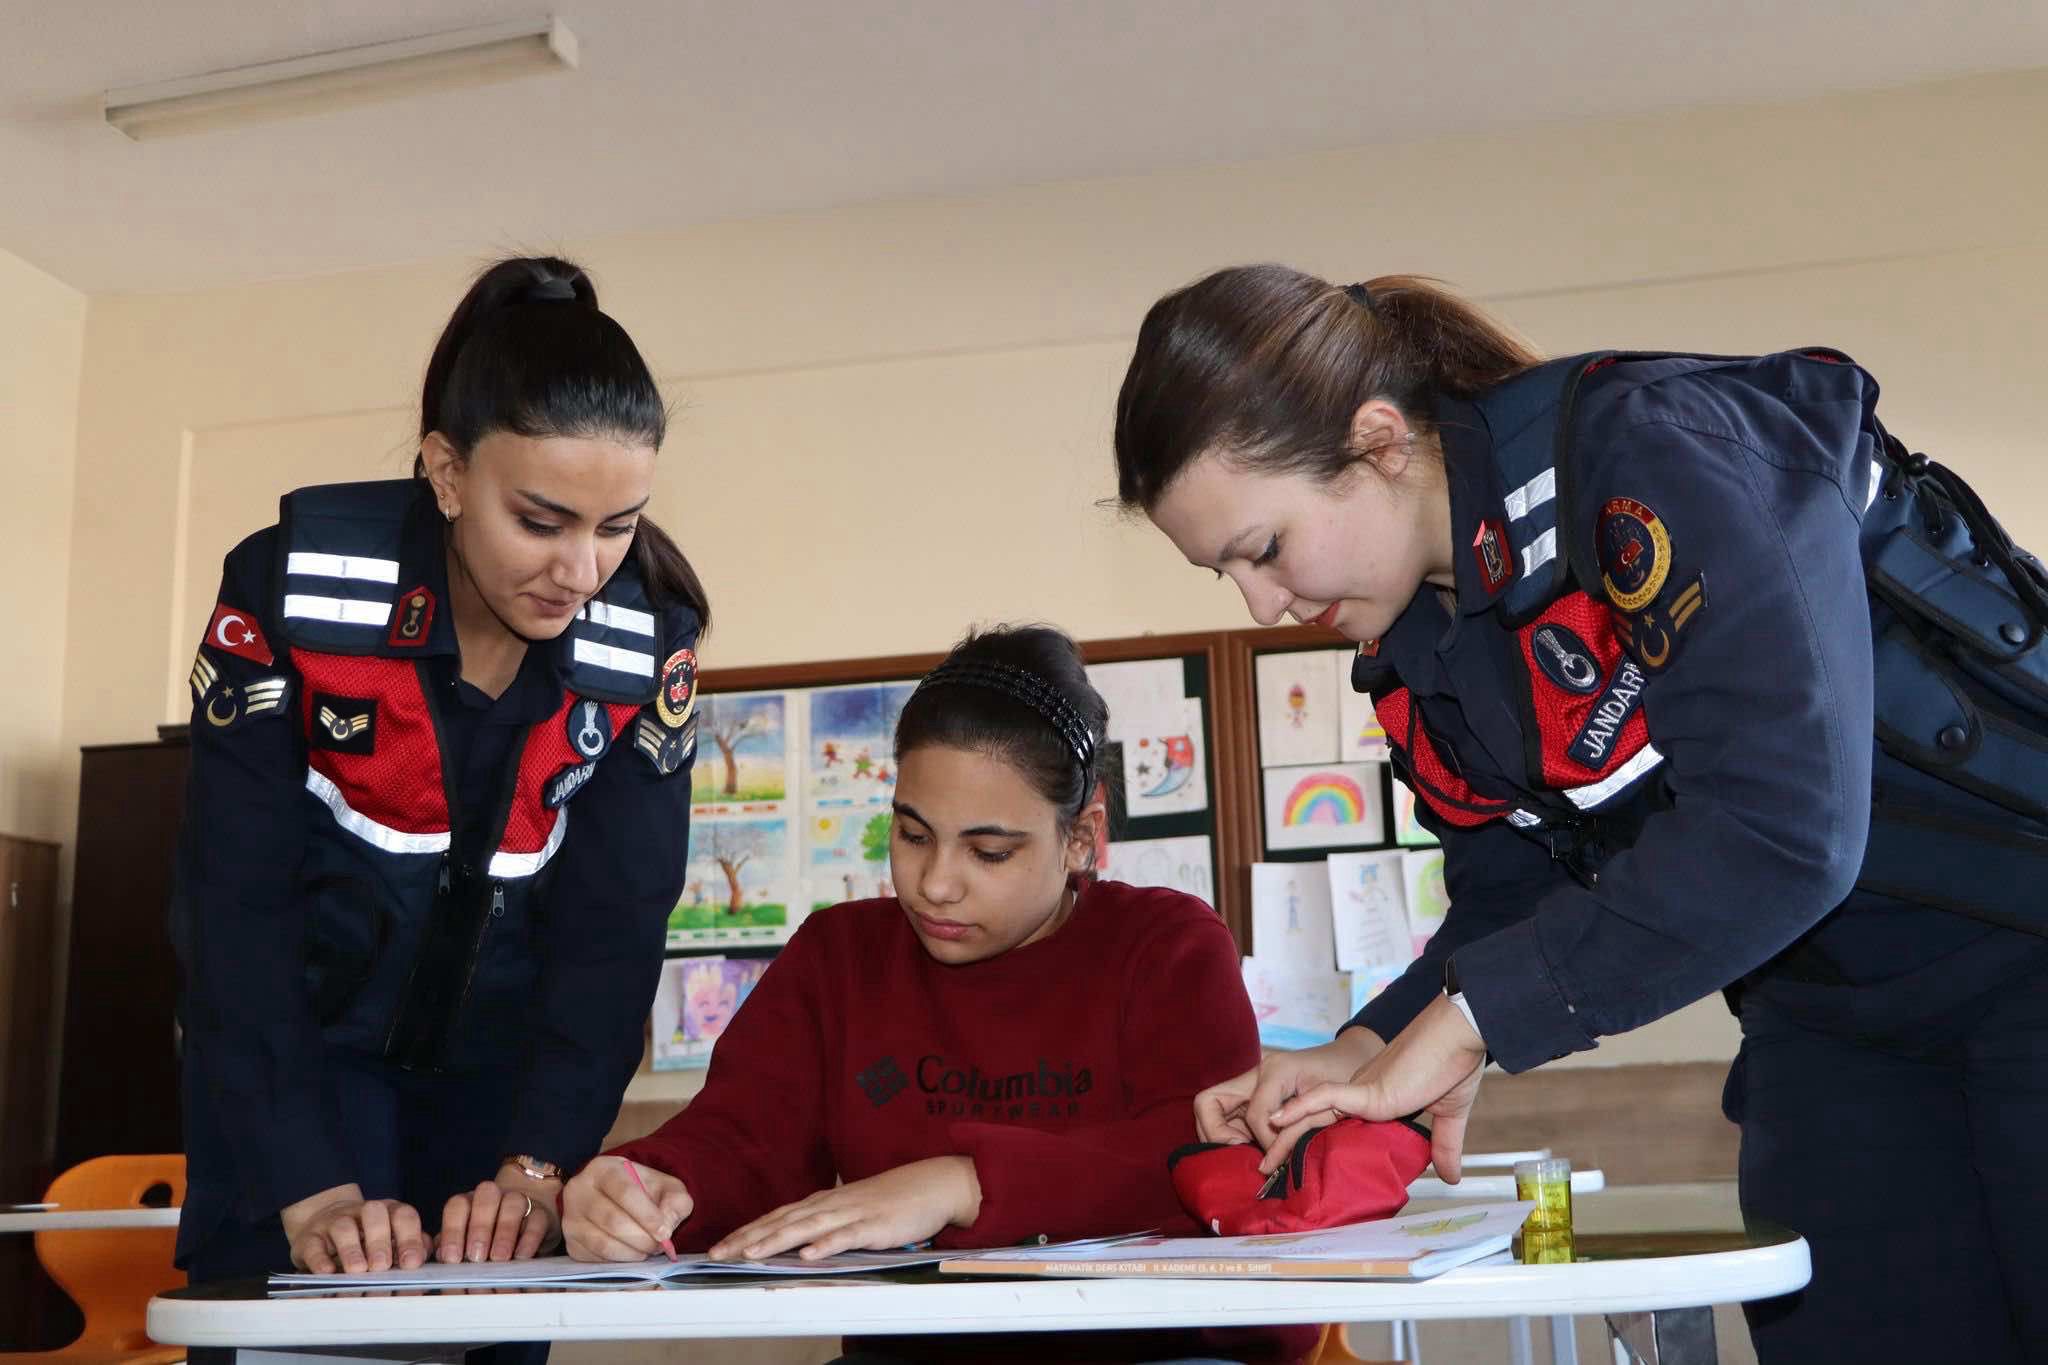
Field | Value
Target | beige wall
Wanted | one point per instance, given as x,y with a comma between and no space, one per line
895,418
42,340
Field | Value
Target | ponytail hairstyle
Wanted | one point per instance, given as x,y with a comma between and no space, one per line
1020,694
529,352
1268,365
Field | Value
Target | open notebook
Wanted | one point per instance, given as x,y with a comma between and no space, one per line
1413,1247
546,1270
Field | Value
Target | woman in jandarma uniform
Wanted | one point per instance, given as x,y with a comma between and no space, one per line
1631,623
437,813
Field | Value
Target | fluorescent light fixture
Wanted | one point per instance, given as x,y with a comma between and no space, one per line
341,79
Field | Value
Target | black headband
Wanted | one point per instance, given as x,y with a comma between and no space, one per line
1363,295
1021,684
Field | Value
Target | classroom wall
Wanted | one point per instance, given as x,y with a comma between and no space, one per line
894,418
42,344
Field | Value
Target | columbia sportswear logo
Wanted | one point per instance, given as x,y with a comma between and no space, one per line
882,1082
957,1091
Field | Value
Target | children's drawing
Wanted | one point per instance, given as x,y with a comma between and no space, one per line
1324,806
1369,906
1422,878
744,742
1296,1007
1408,831
1291,928
737,883
695,1002
846,856
1297,706
1163,774
1360,738
1183,863
851,756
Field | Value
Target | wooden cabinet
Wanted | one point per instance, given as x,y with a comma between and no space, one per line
119,1087
28,923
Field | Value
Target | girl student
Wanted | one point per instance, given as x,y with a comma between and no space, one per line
1007,1048
437,812
1704,683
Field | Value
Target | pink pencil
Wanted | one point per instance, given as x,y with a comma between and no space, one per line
666,1244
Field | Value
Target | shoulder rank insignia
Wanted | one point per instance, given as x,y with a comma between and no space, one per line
667,748
226,705
1651,635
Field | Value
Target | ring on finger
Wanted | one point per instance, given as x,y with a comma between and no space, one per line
529,1207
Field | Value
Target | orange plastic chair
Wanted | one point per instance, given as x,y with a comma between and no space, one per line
1334,1348
111,1273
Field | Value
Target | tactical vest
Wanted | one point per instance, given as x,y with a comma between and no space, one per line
1959,815
1578,690
418,949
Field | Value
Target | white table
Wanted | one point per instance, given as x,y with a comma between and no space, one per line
1650,1273
54,1220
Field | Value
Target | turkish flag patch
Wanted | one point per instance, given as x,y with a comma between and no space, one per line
235,631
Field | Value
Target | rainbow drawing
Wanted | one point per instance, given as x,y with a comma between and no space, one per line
1323,798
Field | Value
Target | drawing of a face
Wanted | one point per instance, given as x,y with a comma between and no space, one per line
708,1002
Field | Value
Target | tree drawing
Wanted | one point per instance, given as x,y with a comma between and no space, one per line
728,732
733,846
874,839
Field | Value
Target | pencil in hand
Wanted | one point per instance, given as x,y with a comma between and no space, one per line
667,1246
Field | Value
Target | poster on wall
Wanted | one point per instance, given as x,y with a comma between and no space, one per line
1164,774
1144,696
1422,883
849,759
1297,707
1369,911
1408,831
737,885
1360,738
745,754
846,855
694,1003
1183,863
1296,1007
1291,925
1324,806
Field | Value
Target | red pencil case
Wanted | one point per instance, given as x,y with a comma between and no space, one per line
1348,1172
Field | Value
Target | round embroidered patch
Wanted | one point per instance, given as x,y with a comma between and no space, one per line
677,697
1565,659
1635,553
589,728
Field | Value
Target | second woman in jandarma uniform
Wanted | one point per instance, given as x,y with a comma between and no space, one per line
437,815
1631,623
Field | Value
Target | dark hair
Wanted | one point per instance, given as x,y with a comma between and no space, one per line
997,720
528,351
1270,364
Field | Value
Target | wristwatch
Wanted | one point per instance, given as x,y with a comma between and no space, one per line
533,1168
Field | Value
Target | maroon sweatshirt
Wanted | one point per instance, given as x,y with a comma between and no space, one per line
1067,1069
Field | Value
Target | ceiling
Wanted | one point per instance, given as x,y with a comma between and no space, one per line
692,111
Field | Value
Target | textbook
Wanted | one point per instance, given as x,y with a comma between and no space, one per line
561,1270
1413,1247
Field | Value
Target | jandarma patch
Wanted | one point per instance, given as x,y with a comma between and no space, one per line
1635,553
589,728
413,619
677,696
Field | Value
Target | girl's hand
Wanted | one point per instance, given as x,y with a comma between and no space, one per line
898,1208
339,1231
508,1218
607,1217
1433,1066
1241,1109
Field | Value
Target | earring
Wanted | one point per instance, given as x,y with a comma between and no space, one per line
446,513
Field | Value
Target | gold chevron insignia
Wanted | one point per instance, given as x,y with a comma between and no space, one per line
342,727
204,675
263,695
